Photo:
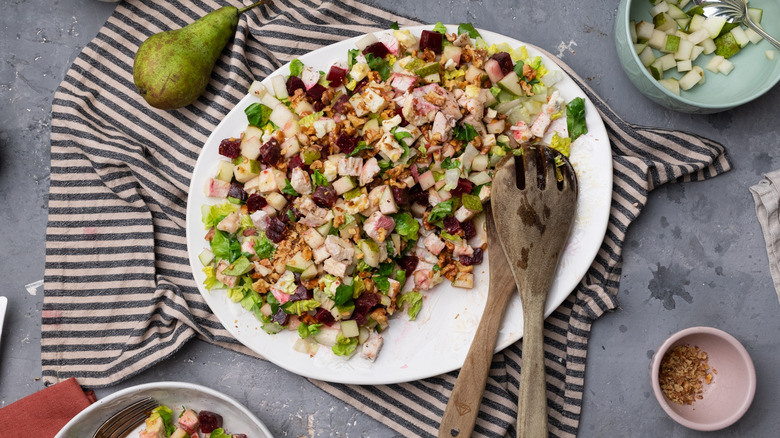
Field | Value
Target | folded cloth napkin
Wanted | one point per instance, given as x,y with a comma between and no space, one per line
44,413
119,293
766,195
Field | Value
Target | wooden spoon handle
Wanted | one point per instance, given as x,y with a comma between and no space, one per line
460,415
532,397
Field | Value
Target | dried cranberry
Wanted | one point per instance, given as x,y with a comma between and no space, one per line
504,61
294,83
280,317
401,196
468,228
377,49
290,213
431,40
338,106
209,421
255,202
275,230
363,304
451,225
237,191
230,147
464,186
473,259
315,92
324,196
417,195
336,76
408,263
270,152
296,161
346,143
301,293
324,316
399,110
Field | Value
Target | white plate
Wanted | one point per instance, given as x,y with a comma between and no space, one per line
236,418
438,340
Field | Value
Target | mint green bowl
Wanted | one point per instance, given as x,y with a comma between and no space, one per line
753,73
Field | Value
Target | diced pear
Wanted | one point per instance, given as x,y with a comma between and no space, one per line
667,61
647,56
708,45
697,22
714,62
714,24
740,37
684,66
671,44
683,22
276,200
753,36
225,170
639,47
698,36
657,40
726,45
644,31
247,170
770,54
690,79
659,8
697,50
664,22
684,51
725,67
675,12
755,14
632,31
700,70
251,142
671,84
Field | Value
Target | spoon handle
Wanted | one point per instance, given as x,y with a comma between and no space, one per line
460,415
532,396
756,28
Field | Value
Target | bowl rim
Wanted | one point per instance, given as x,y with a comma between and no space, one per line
646,74
662,400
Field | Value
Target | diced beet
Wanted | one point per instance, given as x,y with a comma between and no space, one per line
294,83
301,293
318,105
280,317
504,61
473,259
338,106
363,305
230,147
464,186
431,40
416,194
324,316
237,191
255,202
346,143
408,263
401,196
324,196
377,49
275,230
399,110
336,76
315,92
270,152
296,161
209,421
359,86
451,225
468,228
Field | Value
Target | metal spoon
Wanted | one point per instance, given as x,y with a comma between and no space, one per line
734,11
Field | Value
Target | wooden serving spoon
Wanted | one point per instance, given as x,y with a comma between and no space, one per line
462,408
537,192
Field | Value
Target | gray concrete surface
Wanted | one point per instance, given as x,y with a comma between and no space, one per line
696,255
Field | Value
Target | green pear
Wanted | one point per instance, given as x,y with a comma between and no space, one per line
172,68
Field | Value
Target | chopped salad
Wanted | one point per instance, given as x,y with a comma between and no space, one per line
354,191
189,424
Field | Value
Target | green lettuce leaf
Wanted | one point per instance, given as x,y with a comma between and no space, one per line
344,346
258,114
218,212
413,302
264,248
296,67
440,211
439,27
406,225
469,29
575,118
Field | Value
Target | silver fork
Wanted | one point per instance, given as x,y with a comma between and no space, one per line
735,11
127,419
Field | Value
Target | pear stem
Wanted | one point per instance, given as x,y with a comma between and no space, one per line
242,10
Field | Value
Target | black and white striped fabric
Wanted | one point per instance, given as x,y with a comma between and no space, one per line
119,294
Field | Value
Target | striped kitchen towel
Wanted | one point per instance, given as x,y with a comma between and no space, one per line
119,294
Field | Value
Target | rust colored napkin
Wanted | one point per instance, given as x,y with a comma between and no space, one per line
44,413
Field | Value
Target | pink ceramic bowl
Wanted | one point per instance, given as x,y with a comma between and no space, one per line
731,391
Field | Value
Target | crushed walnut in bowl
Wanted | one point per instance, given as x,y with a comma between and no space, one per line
703,378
